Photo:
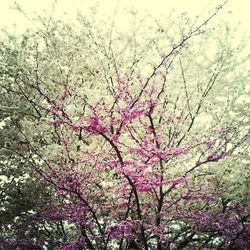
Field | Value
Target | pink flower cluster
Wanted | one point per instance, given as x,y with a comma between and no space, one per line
94,125
177,180
131,114
150,149
123,229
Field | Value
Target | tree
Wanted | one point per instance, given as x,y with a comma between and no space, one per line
24,195
114,127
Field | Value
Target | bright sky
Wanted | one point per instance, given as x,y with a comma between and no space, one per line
239,9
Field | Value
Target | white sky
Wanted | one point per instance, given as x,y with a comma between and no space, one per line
240,9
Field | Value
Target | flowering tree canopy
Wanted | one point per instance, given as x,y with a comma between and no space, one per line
133,136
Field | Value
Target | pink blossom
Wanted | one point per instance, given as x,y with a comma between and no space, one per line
95,126
177,180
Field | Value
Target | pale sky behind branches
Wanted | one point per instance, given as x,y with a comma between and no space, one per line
235,11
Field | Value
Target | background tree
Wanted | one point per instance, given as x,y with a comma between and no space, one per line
113,123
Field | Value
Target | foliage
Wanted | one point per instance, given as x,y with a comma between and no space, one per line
134,134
